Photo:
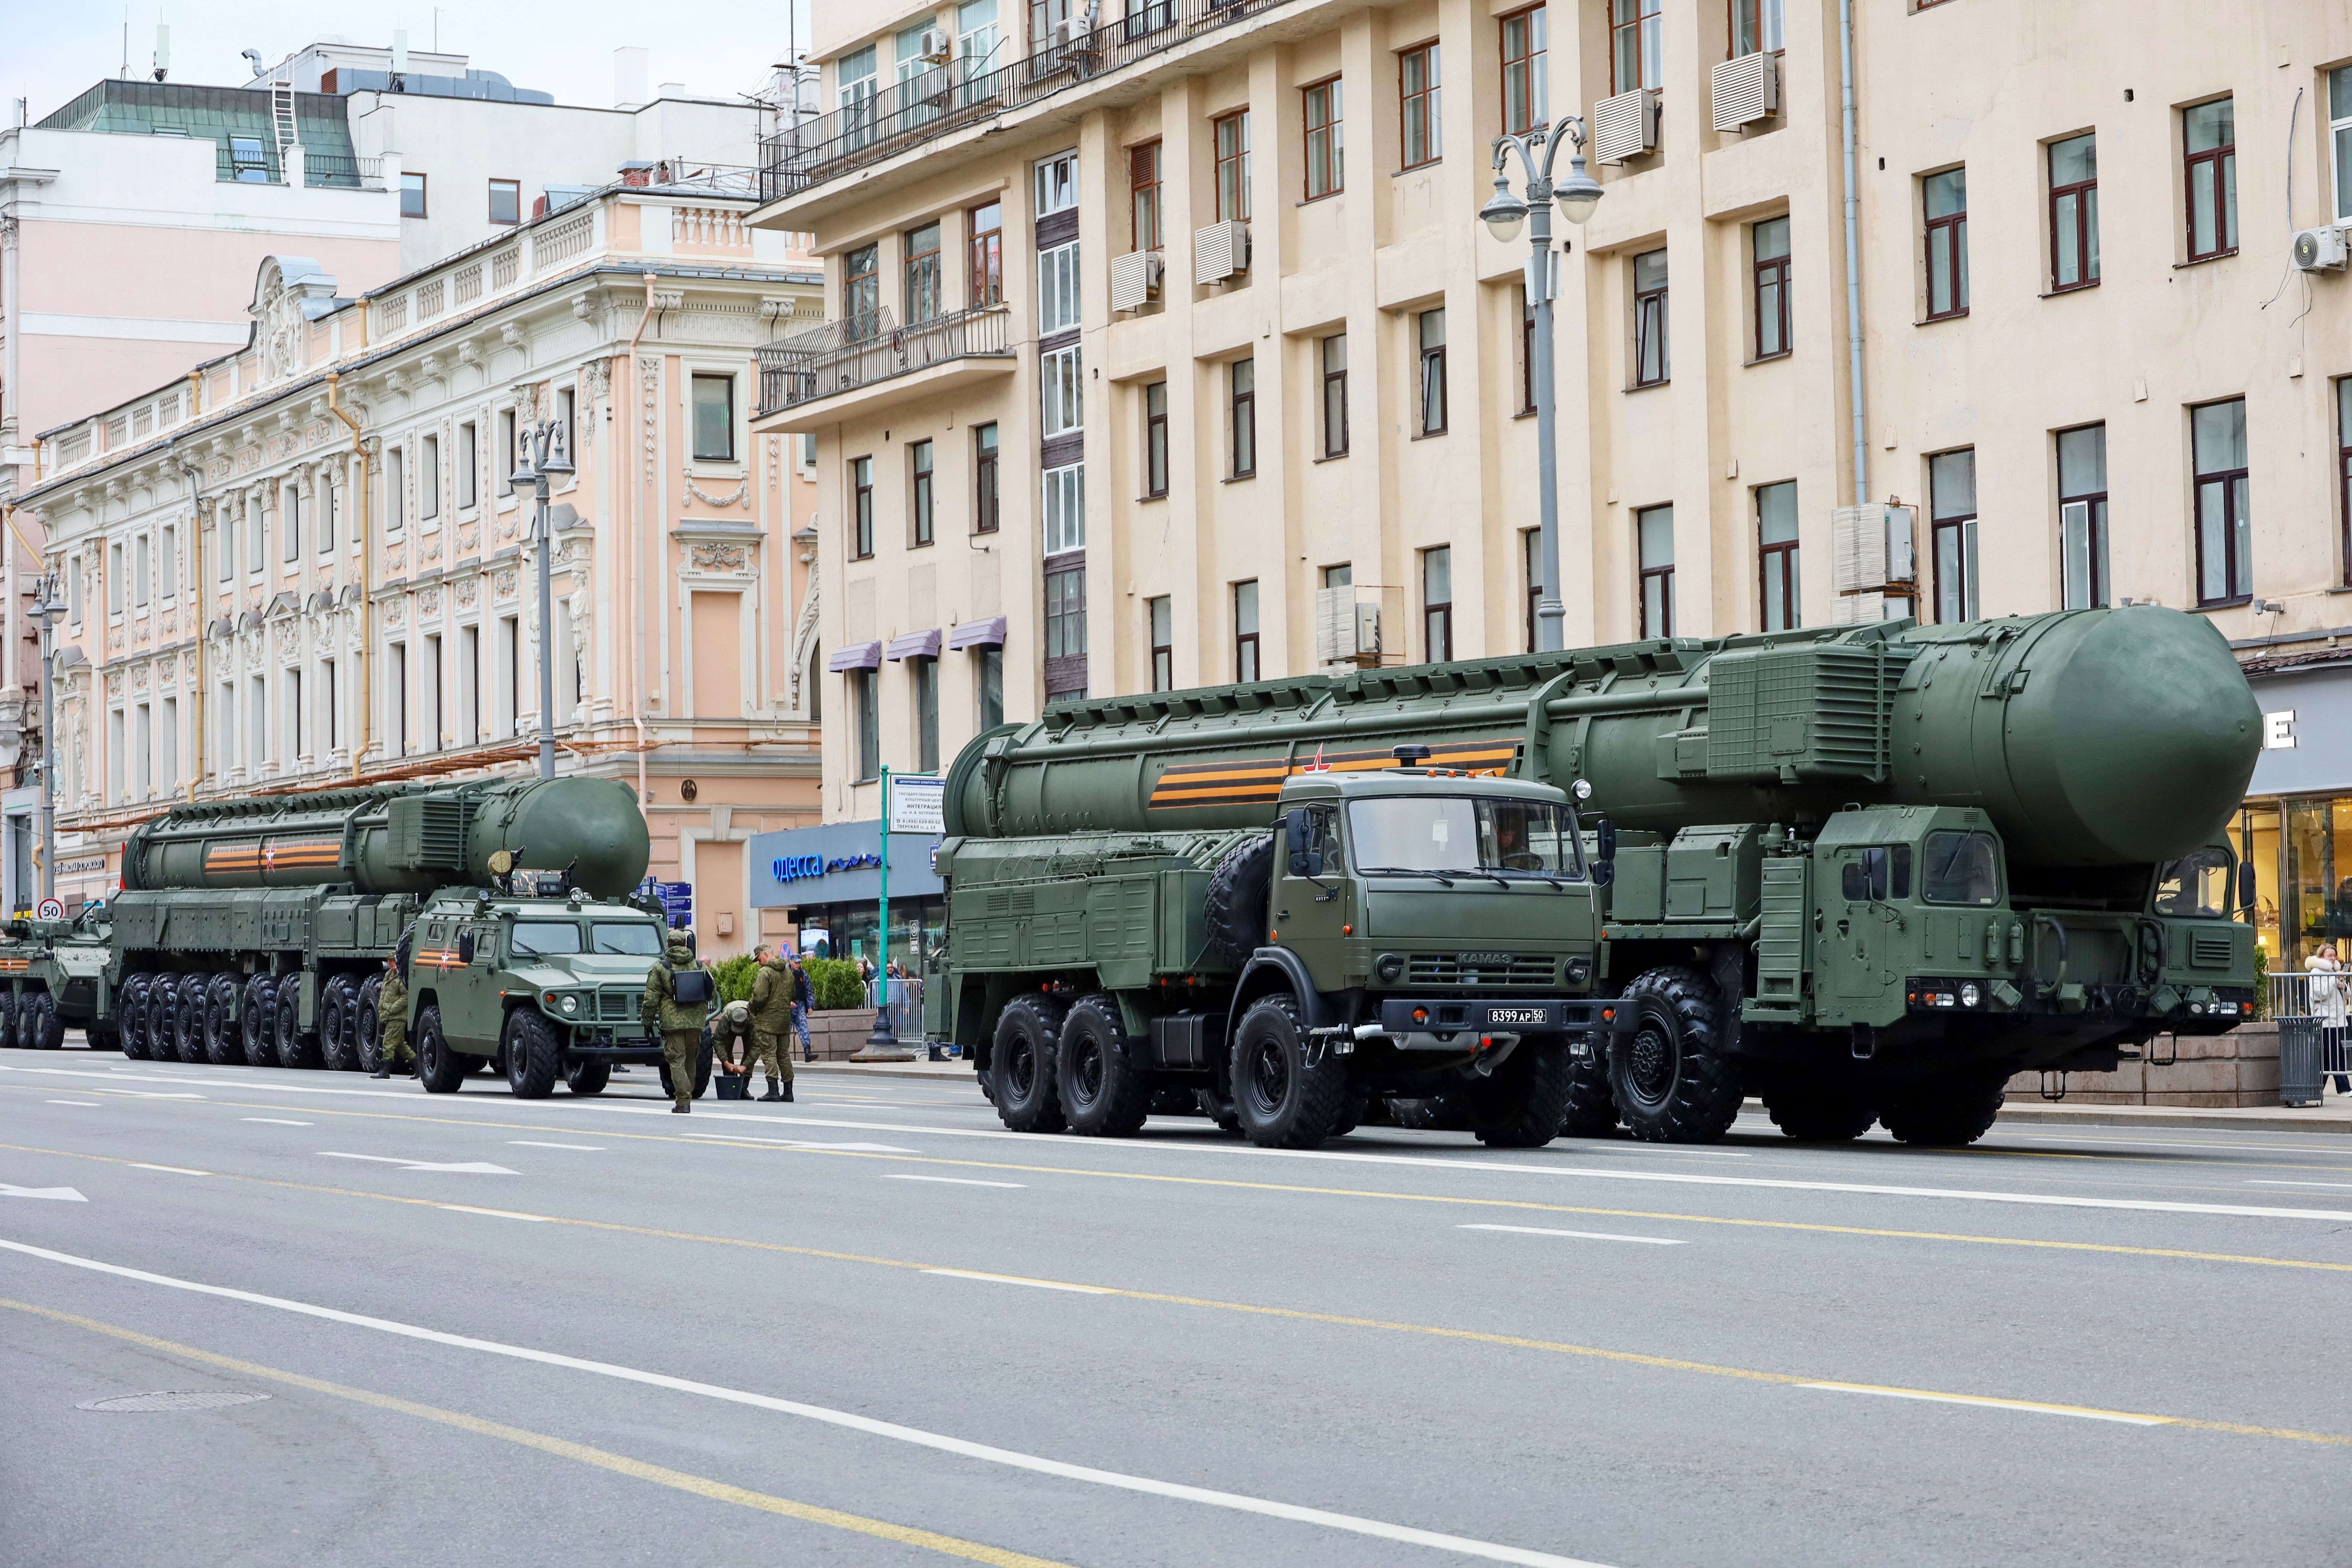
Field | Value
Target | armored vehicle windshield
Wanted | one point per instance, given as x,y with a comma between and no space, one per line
1462,833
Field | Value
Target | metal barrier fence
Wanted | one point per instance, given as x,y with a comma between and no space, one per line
2310,1008
906,1007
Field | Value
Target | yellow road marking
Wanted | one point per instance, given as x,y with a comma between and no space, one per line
1341,1319
621,1464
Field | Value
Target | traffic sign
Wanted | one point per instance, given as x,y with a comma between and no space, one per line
917,803
52,909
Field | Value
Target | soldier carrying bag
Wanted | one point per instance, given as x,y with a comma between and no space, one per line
691,987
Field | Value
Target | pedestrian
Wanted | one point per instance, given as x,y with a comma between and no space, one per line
391,1021
730,1035
676,1002
775,1006
804,1000
2327,999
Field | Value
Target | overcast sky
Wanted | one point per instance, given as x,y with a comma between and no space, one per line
53,52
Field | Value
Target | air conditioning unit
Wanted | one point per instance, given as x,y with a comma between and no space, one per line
937,48
1871,547
1345,631
1134,279
1625,126
1220,251
2320,249
1746,90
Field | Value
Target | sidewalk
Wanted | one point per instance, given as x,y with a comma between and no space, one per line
2334,1116
959,1070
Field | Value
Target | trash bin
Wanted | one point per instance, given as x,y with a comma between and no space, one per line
2301,1060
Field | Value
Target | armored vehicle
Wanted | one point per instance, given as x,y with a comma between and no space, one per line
51,975
1866,873
256,931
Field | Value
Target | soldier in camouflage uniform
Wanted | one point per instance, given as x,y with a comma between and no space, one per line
679,1024
776,998
392,1022
730,1039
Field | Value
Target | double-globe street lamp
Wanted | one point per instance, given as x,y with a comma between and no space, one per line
544,457
46,611
1577,195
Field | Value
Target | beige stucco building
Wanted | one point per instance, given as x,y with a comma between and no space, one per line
303,564
2089,371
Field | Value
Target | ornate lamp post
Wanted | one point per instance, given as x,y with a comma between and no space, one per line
46,611
543,457
1577,195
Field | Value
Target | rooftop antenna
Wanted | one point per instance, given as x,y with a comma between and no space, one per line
126,43
162,51
399,59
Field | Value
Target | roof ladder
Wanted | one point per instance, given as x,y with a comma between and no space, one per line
281,113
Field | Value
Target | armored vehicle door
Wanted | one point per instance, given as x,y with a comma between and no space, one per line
470,1010
1862,939
1314,903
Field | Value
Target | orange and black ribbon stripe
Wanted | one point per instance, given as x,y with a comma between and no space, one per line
439,957
1257,780
312,854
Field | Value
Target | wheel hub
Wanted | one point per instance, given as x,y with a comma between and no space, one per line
1269,1075
1650,1065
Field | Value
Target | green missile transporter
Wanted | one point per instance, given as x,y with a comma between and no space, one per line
1865,873
256,931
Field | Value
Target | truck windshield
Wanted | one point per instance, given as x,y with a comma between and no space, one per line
532,938
1962,868
1462,833
635,939
2197,886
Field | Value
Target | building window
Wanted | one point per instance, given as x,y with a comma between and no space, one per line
2342,475
714,418
1155,439
1946,197
922,273
989,678
1233,166
411,194
1431,327
1335,396
506,201
1418,86
114,579
919,520
1776,555
505,445
1057,184
2073,213
167,573
566,404
1437,604
1526,96
2225,563
1159,620
1143,197
469,476
861,508
1246,667
1755,27
1531,566
1066,508
1770,239
141,572
985,253
395,504
866,701
1637,59
861,292
428,479
984,478
1652,363
1326,162
2339,137
2209,135
1058,289
1060,391
292,497
1653,534
1952,509
1065,614
1241,377
925,673
2082,517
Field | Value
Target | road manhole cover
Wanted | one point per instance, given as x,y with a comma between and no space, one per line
179,1400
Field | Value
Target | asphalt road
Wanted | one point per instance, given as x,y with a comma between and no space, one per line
873,1327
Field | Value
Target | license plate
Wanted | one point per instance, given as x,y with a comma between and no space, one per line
1517,1015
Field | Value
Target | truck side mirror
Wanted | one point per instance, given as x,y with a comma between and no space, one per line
465,946
2246,885
1295,834
1604,853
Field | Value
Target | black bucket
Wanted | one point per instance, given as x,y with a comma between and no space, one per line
732,1085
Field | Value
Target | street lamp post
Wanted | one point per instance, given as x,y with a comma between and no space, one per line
45,612
543,457
1577,195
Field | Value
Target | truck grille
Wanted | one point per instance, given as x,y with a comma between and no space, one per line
1446,969
617,1004
2210,951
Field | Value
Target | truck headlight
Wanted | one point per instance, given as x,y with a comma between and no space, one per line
570,1004
1389,967
1969,995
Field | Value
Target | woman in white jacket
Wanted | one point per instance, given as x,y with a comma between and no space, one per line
2327,999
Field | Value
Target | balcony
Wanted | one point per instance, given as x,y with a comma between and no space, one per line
251,160
828,373
922,109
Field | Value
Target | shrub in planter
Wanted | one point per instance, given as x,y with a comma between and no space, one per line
734,977
836,982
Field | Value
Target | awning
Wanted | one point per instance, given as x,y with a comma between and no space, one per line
989,633
857,656
914,645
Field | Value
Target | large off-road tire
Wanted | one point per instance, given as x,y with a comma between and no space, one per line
1284,1102
155,1027
438,1069
1814,1110
188,1019
367,1029
587,1078
224,1042
1524,1103
39,1028
297,1047
339,1024
1233,914
259,1022
1220,1110
1021,1065
1672,1082
131,1016
1591,1104
1355,1107
8,1020
1103,1094
702,1063
534,1057
1946,1112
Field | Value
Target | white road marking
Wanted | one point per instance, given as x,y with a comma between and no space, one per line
175,1170
1578,1234
2025,1405
274,1121
87,1104
496,1213
802,1143
1238,1502
948,1181
582,1148
63,1194
463,1167
2339,1186
1018,1279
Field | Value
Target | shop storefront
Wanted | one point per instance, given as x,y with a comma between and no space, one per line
829,880
2296,829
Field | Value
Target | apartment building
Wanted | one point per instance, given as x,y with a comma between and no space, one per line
306,563
1167,348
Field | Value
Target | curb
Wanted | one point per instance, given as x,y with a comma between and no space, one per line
955,1071
2254,1120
